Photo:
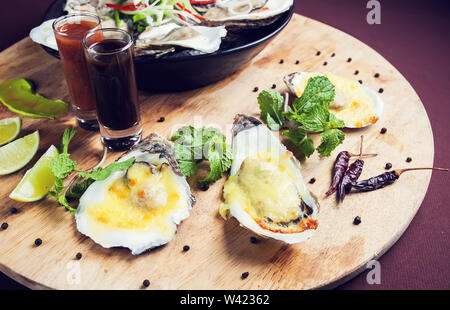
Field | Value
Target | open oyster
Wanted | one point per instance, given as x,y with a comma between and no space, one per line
265,191
237,14
357,105
139,208
201,38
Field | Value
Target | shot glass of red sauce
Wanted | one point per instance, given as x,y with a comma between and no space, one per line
109,57
69,32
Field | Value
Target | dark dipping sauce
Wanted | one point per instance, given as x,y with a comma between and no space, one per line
114,84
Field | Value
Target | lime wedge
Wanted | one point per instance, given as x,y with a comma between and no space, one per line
9,129
15,155
38,180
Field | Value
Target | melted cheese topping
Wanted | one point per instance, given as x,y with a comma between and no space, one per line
144,202
265,187
352,104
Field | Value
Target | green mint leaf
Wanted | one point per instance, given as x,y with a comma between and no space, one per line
62,166
193,146
271,106
209,134
300,139
69,133
100,174
63,201
315,118
188,167
336,123
219,157
272,124
77,190
318,90
330,140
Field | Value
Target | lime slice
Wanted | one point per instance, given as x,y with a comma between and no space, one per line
15,155
38,180
9,129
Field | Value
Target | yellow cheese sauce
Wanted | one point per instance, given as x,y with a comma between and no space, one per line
265,187
358,106
144,202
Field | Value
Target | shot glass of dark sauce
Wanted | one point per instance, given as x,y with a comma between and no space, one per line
109,58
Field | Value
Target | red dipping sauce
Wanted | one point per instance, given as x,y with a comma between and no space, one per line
69,33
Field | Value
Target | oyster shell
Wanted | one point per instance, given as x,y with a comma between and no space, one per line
238,14
265,191
201,38
139,208
97,7
367,111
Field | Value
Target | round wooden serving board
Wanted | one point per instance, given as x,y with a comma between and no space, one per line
221,250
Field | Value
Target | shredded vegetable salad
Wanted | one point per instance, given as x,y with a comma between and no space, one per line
144,13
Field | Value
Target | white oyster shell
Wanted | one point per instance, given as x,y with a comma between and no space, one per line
201,38
43,34
250,139
154,150
293,79
270,9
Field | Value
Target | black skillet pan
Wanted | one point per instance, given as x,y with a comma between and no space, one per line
187,69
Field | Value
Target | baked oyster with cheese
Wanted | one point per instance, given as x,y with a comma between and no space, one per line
139,208
265,191
357,105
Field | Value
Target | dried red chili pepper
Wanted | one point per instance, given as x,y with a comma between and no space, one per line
385,179
340,167
351,175
350,178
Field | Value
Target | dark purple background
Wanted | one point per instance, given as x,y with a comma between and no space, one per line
414,37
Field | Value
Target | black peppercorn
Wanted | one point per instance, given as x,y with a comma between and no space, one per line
357,220
5,226
332,55
146,283
203,186
13,211
281,61
312,180
388,166
244,275
408,159
79,255
377,75
186,248
161,119
325,63
38,241
255,89
254,240
383,130
360,81
274,86
349,60
356,72
318,53
381,90
297,62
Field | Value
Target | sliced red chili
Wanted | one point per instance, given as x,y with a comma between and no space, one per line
202,1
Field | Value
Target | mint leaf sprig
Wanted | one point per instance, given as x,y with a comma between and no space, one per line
195,145
62,166
309,114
